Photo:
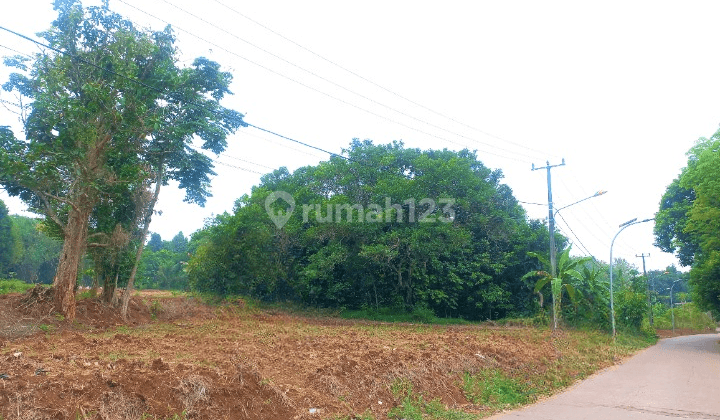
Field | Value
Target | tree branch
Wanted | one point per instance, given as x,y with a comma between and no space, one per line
97,245
51,211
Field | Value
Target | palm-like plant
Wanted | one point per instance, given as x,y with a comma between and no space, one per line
566,270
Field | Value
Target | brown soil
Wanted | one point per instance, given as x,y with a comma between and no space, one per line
175,355
681,331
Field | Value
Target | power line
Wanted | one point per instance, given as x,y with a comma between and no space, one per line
247,161
298,141
15,51
237,167
574,235
358,107
332,82
246,133
373,83
160,90
534,204
225,155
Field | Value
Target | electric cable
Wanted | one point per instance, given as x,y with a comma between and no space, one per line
373,83
330,81
375,114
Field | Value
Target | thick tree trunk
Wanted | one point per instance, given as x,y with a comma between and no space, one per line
67,270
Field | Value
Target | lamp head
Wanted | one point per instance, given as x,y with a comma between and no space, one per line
628,222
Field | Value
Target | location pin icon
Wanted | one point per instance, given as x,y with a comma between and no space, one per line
280,217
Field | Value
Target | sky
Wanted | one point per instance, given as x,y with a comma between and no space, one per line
620,90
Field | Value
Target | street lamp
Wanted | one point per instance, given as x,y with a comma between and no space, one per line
622,227
553,250
672,308
601,192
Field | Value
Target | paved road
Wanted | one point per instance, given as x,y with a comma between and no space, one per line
677,378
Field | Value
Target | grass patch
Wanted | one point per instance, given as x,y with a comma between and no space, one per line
494,389
14,286
86,294
583,352
414,407
46,328
115,356
418,315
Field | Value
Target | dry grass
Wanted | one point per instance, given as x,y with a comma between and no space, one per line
193,389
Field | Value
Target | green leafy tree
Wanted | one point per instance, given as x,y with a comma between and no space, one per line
111,116
10,244
156,243
688,222
355,239
162,269
179,244
40,253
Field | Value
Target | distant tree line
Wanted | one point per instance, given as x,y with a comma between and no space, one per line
163,264
26,253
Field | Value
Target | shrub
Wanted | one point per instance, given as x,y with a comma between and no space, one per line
14,286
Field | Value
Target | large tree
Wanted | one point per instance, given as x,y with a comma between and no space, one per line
688,222
112,116
387,227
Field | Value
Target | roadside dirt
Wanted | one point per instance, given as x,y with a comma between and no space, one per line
680,331
175,357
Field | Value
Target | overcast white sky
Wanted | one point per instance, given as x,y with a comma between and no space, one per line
619,89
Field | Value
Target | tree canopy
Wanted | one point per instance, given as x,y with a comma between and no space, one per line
688,222
387,227
111,114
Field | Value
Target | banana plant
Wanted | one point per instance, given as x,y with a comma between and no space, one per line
566,270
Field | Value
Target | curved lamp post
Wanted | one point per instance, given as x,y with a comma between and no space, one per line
612,302
553,250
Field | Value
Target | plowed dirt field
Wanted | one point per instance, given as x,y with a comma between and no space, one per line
175,358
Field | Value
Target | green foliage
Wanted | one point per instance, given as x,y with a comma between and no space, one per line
414,407
109,115
494,389
10,243
565,272
687,316
469,266
46,327
162,269
632,307
14,286
417,315
688,222
40,253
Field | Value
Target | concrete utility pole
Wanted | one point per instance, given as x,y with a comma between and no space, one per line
551,227
647,287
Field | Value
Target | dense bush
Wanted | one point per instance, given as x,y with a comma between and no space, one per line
355,239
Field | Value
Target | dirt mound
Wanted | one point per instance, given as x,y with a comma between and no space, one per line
34,311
